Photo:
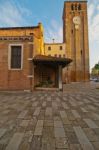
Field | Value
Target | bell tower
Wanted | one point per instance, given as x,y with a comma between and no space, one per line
75,35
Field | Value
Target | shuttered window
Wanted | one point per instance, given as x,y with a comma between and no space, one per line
16,57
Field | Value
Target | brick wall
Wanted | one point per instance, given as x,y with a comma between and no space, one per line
14,79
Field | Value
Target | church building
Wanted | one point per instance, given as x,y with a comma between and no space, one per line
28,63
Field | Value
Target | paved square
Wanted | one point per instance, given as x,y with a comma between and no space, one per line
44,120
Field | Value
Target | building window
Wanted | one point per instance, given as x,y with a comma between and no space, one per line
60,56
55,55
49,48
16,57
79,7
61,47
72,7
72,31
64,55
31,33
75,6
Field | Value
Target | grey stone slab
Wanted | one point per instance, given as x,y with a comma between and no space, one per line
85,143
76,114
38,130
6,111
15,141
54,105
84,110
59,132
44,104
48,132
91,135
72,138
95,116
63,114
48,111
61,143
91,123
48,123
39,123
24,123
36,143
2,132
48,143
65,106
37,111
22,114
58,124
75,147
73,103
91,107
35,104
96,145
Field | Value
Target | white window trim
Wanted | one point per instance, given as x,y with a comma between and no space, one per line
30,59
9,57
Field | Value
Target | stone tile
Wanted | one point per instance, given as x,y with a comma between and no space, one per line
61,143
45,116
15,141
96,145
85,143
36,143
75,113
59,132
39,123
22,114
2,132
95,116
48,123
24,123
38,130
75,147
58,124
84,110
91,123
72,138
48,143
48,111
48,132
63,114
96,132
37,111
91,135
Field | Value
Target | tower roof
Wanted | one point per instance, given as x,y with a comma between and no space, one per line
76,0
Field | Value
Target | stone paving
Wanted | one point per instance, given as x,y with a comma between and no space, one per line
67,120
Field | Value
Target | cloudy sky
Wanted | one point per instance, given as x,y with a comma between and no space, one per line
49,12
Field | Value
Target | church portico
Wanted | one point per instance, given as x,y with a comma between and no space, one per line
48,71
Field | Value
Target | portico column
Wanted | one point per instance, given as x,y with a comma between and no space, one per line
60,78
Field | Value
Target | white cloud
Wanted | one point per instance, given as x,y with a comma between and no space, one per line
54,31
12,15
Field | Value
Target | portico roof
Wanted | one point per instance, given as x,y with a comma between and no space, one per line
51,60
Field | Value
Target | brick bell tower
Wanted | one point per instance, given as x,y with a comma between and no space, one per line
75,35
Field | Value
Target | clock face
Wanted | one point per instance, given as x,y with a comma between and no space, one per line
77,20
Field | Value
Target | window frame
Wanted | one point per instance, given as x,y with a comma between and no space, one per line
79,7
9,57
49,48
60,47
72,7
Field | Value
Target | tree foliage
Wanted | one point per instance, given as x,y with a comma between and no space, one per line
97,66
